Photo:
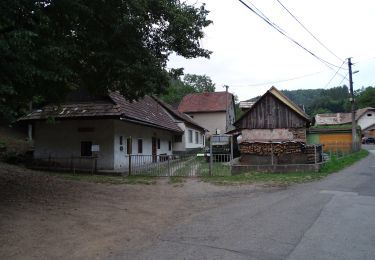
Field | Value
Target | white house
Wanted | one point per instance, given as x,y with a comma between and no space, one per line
108,128
193,137
215,111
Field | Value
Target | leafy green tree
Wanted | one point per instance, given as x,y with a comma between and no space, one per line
201,83
366,97
50,47
191,83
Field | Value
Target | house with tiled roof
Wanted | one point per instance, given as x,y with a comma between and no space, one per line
215,111
108,128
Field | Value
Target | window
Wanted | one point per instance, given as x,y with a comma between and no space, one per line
86,149
140,146
190,136
169,145
369,114
158,143
120,140
178,138
196,137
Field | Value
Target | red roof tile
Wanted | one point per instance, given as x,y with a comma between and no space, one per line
205,102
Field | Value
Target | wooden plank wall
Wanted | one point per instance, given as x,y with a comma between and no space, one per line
270,113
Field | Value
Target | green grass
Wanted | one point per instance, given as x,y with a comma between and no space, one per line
93,178
329,167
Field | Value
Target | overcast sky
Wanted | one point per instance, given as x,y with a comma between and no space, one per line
247,52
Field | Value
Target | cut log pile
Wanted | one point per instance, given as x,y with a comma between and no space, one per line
264,149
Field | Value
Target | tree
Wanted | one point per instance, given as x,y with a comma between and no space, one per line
50,47
366,97
201,83
191,83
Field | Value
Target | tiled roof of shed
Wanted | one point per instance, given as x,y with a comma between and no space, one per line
205,102
145,111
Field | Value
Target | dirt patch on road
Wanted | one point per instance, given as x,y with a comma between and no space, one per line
45,217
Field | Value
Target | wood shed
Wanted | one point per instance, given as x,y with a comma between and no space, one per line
274,132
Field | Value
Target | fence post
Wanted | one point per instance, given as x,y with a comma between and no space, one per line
271,153
168,167
231,154
211,158
130,164
315,153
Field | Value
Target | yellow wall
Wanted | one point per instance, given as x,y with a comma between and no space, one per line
342,141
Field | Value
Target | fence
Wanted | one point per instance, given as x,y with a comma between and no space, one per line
188,165
84,163
339,149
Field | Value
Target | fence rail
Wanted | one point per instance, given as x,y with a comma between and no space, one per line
189,165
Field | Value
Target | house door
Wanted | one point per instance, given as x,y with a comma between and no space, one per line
154,154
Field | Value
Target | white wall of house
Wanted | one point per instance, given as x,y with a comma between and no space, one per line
366,119
211,121
62,139
193,138
138,132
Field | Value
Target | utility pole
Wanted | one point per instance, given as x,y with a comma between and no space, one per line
226,107
354,134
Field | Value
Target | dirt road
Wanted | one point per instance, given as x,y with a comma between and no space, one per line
45,217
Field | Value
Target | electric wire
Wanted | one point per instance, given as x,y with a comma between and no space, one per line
304,27
277,28
279,81
335,74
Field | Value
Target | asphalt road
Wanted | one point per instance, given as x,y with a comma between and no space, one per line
330,219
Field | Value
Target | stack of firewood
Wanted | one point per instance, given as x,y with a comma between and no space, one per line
266,149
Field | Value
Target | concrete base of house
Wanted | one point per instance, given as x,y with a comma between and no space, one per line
276,168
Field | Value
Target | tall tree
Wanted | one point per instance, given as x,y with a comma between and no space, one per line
366,97
201,83
49,47
191,83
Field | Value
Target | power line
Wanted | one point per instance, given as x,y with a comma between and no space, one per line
335,74
279,81
304,27
277,28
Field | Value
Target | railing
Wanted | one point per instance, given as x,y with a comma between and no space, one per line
188,165
340,149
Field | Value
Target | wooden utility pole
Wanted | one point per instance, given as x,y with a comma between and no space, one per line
354,134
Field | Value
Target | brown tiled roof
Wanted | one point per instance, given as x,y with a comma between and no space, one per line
175,113
205,102
145,111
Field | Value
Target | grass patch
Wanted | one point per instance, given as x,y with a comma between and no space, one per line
177,180
93,178
329,167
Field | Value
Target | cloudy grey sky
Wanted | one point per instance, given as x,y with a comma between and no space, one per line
247,52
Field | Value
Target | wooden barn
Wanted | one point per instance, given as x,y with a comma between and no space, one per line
273,132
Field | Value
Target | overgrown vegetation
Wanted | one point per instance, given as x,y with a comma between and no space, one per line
333,165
